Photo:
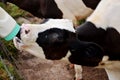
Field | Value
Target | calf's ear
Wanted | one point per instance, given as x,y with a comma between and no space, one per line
86,53
93,50
86,49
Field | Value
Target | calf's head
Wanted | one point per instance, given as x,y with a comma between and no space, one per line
51,36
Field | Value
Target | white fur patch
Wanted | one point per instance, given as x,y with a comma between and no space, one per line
74,10
33,48
107,14
78,72
52,23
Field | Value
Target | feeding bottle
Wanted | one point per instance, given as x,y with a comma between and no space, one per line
8,26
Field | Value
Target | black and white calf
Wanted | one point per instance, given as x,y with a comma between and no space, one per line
55,39
103,28
69,9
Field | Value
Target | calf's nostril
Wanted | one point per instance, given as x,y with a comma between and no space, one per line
27,31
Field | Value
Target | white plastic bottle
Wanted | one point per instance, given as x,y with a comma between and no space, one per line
8,26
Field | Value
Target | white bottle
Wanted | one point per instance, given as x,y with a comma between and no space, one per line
8,26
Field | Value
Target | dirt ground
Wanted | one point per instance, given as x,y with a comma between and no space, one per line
33,68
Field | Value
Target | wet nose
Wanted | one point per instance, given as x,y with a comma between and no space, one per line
27,31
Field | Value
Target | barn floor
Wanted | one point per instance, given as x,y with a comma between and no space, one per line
33,68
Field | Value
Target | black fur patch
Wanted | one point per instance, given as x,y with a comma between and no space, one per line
91,3
54,43
89,32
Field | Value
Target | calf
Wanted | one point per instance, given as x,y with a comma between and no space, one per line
55,39
103,28
74,10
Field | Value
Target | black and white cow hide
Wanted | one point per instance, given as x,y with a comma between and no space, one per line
103,28
55,39
69,9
